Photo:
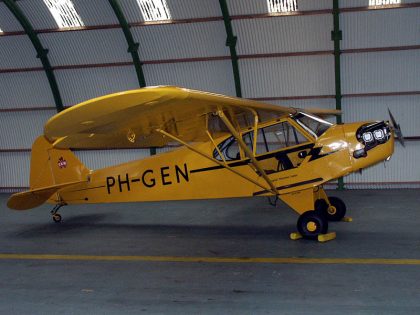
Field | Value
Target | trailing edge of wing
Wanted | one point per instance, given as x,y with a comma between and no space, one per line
323,112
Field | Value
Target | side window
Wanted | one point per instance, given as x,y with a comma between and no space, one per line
229,148
271,138
277,137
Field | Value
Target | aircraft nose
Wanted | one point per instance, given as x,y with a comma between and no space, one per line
369,143
371,135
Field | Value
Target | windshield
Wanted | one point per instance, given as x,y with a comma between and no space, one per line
312,124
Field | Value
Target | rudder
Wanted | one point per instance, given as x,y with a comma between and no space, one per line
50,166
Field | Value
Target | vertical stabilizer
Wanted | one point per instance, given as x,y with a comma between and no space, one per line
51,166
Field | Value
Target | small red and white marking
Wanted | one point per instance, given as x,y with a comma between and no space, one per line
62,163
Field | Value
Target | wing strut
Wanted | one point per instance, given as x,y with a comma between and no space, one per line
248,152
212,159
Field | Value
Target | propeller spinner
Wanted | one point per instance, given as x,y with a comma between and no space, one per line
397,129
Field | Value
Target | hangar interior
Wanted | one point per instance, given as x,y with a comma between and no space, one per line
285,59
361,56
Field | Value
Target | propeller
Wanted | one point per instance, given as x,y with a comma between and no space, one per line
397,129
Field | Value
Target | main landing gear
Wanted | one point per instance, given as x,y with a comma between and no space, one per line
54,212
336,210
313,224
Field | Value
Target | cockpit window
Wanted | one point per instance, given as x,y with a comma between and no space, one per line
270,138
229,148
312,124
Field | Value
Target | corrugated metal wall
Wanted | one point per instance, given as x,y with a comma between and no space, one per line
213,76
241,7
291,76
285,34
80,48
380,28
364,3
25,89
310,72
17,52
396,71
78,85
379,72
176,41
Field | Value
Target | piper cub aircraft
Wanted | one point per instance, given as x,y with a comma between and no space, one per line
230,147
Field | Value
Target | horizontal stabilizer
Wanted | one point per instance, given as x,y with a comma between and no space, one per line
36,197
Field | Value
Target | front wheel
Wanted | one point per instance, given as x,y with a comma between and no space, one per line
337,209
311,224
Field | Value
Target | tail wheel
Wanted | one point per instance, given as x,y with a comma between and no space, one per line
336,210
56,218
311,224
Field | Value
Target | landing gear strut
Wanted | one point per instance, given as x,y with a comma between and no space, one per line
56,216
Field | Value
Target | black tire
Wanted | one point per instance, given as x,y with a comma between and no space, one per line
56,218
311,224
337,210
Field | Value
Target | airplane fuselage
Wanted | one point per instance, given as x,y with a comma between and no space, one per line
297,169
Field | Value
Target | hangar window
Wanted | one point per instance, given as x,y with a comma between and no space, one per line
282,6
64,13
154,10
377,3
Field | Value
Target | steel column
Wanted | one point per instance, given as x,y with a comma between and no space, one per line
133,47
41,52
231,43
336,36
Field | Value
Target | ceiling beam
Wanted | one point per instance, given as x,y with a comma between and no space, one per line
132,45
336,36
231,43
41,52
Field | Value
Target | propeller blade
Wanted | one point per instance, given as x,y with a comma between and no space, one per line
397,129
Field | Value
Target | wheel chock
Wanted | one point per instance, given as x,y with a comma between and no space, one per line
347,219
295,236
326,237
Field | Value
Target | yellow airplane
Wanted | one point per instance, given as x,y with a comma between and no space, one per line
229,147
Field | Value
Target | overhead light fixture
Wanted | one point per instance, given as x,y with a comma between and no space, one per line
1,31
381,3
282,6
154,10
64,13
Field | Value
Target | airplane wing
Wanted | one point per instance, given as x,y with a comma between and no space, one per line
130,119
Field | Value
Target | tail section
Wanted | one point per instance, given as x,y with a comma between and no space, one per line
51,166
51,170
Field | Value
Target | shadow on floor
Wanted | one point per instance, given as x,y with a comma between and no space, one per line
92,224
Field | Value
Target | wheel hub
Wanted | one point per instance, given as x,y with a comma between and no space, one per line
332,210
311,226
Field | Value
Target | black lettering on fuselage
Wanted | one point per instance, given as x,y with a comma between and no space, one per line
152,181
122,182
110,181
178,172
163,175
149,179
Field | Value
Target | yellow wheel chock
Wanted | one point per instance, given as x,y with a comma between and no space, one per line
322,238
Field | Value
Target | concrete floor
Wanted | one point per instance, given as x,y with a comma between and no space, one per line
386,225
